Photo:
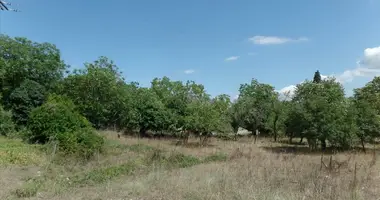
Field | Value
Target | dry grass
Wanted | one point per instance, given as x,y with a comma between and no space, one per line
247,172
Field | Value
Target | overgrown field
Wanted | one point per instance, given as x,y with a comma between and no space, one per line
132,168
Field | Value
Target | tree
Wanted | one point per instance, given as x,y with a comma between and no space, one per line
203,118
6,123
277,116
367,120
25,98
100,93
222,104
295,121
174,95
323,105
317,77
370,93
22,59
152,113
257,100
235,113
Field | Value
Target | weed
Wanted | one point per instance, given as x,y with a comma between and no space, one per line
29,189
15,152
179,160
218,157
102,175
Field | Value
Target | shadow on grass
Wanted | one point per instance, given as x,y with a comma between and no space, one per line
191,144
304,150
294,142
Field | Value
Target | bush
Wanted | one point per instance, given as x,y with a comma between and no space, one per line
6,124
57,120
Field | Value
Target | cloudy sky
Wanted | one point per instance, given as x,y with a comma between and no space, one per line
219,43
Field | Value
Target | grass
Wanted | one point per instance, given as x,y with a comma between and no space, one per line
15,152
147,169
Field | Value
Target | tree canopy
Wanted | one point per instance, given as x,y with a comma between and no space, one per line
319,110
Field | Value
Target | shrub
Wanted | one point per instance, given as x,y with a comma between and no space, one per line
6,123
57,120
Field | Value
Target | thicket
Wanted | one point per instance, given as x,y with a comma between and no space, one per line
318,111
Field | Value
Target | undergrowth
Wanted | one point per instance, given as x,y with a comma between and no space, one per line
152,157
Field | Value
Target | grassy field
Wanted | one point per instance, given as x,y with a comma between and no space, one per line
144,169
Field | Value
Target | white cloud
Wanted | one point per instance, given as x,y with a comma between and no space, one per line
268,40
368,66
287,92
232,58
189,71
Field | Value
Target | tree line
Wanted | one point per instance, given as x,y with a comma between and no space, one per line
35,82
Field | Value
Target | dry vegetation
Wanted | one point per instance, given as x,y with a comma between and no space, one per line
133,168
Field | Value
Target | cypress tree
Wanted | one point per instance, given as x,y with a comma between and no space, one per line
317,77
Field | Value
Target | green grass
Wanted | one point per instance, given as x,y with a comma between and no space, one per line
15,152
218,157
147,158
29,189
102,175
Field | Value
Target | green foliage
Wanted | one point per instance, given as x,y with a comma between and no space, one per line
323,108
25,98
257,101
152,113
370,93
7,126
22,59
100,94
29,189
317,77
56,120
295,121
102,175
203,119
30,71
218,157
15,152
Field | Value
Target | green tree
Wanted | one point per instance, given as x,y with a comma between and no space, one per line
295,121
317,77
257,100
370,93
174,95
323,105
367,119
22,59
6,123
152,113
25,98
203,118
236,112
222,103
100,93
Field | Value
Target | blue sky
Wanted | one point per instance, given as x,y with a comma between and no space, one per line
219,43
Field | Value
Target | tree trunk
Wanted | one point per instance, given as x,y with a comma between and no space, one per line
256,135
275,128
301,140
291,139
363,145
185,137
323,145
143,132
236,130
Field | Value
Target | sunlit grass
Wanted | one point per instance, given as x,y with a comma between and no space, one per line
15,152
